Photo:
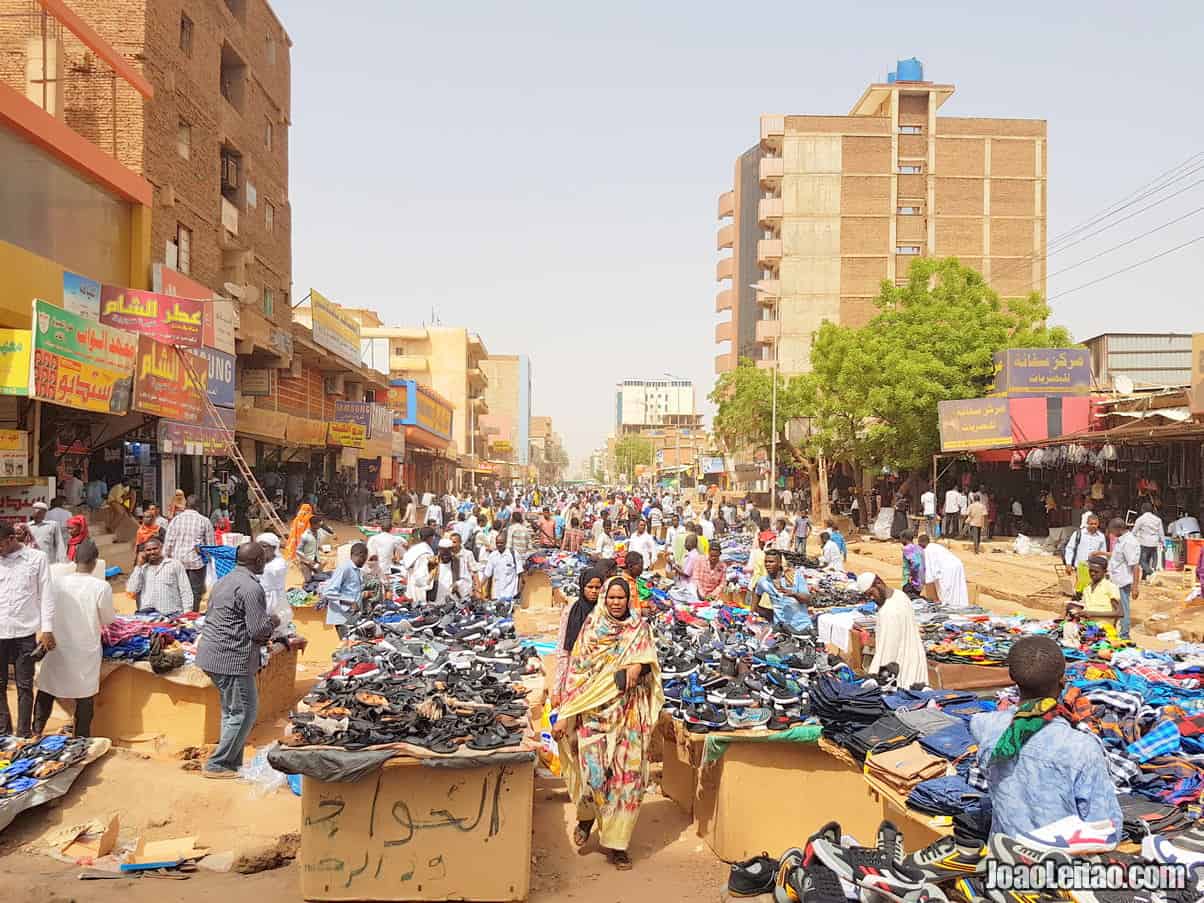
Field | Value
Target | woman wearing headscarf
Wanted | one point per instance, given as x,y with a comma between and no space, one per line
589,588
178,503
612,698
913,564
297,529
148,528
77,532
374,580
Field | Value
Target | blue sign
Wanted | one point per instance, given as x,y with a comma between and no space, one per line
221,376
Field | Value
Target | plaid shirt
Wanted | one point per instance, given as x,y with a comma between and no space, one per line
163,587
187,530
1161,741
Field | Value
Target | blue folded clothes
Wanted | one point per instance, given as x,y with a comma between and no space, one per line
967,710
951,742
948,796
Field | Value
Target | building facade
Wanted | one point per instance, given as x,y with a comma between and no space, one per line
507,426
1144,359
843,203
641,403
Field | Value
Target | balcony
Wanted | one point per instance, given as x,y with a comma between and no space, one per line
769,211
476,379
772,169
725,268
768,331
773,130
727,204
726,236
725,300
769,252
724,331
408,363
771,292
725,362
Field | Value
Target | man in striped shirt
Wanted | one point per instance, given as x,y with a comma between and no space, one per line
237,623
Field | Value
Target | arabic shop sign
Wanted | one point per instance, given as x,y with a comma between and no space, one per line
348,435
81,295
208,437
14,361
1042,371
79,363
974,424
221,315
162,384
174,321
418,406
221,376
333,329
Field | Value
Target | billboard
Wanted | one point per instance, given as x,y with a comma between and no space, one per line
346,434
334,330
974,424
163,385
220,384
15,347
221,315
80,363
416,405
1042,371
174,321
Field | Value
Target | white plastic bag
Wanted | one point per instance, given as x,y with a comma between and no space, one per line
263,777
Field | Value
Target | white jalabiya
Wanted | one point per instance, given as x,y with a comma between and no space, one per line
946,570
897,641
275,595
83,604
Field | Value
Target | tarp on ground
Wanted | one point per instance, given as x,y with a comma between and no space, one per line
345,766
53,787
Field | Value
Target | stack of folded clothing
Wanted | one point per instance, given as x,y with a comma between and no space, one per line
844,707
904,768
926,721
948,795
1143,816
886,733
129,637
951,743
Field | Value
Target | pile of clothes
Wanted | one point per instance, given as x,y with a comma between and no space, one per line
26,762
432,678
135,638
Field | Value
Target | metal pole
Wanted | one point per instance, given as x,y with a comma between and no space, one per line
773,441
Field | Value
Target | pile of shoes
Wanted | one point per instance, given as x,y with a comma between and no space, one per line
26,762
437,678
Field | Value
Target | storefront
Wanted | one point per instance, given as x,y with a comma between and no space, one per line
426,418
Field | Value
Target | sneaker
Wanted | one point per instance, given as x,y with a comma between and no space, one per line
218,774
1173,850
944,861
877,869
706,715
1074,836
779,696
741,718
787,885
678,667
733,693
752,877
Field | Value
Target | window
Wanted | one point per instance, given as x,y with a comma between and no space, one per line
269,215
910,130
269,50
269,301
183,249
909,169
186,35
184,140
267,134
252,195
909,211
907,249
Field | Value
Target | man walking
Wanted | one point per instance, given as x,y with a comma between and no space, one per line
1150,535
502,572
1124,569
188,531
802,530
26,620
928,507
953,512
236,625
47,534
976,518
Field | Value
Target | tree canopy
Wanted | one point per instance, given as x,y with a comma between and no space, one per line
744,404
631,451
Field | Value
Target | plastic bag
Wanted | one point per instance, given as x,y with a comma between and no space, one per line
549,752
263,777
1023,545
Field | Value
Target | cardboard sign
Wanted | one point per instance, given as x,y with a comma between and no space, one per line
974,424
79,363
174,321
162,384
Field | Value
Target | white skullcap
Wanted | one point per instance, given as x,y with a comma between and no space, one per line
865,581
270,538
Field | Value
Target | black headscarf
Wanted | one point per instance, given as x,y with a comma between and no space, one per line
581,608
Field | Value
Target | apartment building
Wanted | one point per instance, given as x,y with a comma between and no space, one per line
213,138
641,403
507,426
825,207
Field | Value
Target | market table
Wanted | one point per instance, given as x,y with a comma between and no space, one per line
321,638
919,829
951,676
136,705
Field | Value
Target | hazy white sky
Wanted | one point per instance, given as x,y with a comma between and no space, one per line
547,173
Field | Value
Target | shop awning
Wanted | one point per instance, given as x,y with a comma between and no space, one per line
417,437
304,431
270,426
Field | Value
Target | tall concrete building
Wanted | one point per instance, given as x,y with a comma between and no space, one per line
507,426
641,403
213,138
825,207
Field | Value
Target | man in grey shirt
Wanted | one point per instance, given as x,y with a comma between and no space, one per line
237,623
47,534
158,583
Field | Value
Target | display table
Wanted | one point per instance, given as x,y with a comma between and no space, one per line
949,676
182,707
919,829
322,640
420,831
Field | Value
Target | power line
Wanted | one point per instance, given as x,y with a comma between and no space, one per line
1125,243
1131,266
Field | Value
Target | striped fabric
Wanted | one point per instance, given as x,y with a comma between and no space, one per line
236,625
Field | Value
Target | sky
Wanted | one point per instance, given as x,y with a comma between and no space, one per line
547,173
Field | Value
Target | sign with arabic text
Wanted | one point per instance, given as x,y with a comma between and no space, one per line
221,376
16,502
221,314
81,295
334,330
15,347
175,321
79,363
162,384
1195,394
348,435
14,454
416,405
205,438
974,424
257,382
353,412
1042,371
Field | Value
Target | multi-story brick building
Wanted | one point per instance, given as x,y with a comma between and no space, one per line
824,208
213,139
507,426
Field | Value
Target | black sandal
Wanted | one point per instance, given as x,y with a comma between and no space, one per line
581,832
621,860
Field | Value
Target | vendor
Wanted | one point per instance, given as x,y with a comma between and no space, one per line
344,591
709,574
1037,768
913,564
787,599
1101,598
830,556
1085,542
896,636
946,571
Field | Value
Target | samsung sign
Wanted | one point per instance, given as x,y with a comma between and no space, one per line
221,377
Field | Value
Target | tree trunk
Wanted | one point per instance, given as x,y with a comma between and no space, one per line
822,506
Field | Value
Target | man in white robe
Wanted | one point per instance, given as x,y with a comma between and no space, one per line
896,636
946,570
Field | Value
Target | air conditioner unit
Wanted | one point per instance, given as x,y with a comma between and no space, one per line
335,385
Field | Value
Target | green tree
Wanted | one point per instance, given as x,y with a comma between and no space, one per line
872,394
631,451
744,404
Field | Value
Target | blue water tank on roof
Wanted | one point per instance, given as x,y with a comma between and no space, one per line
911,70
890,78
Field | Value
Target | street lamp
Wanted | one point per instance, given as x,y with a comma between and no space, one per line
773,439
